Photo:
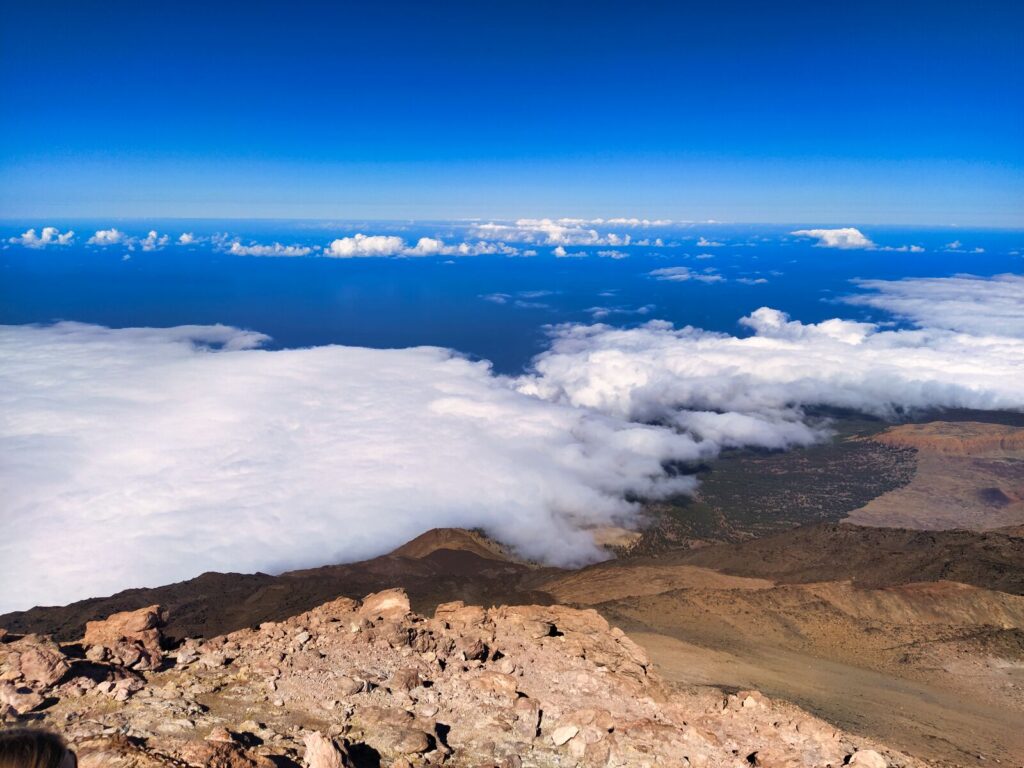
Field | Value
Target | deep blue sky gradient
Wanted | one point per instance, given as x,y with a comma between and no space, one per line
875,112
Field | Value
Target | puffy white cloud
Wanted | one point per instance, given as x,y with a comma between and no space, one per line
153,241
703,242
110,236
47,236
845,237
660,373
752,280
613,254
187,238
849,238
426,246
560,252
977,305
128,458
557,232
275,249
431,246
634,222
684,274
391,245
365,245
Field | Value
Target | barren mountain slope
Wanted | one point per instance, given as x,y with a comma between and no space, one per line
968,475
870,557
369,683
450,564
935,668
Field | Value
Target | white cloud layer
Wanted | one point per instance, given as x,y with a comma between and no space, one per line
154,241
128,458
685,274
556,232
110,236
976,305
47,236
845,237
360,245
850,238
275,249
364,245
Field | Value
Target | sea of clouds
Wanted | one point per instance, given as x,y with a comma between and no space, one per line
134,457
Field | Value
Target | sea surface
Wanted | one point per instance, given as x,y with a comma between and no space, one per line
495,307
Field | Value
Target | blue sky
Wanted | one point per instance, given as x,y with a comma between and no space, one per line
870,112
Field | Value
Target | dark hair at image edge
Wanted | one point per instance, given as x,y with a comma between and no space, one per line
32,748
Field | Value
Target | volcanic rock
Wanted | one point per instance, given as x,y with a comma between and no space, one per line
132,638
371,681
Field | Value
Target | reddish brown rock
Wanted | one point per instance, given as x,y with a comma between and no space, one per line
219,754
21,700
42,663
131,638
322,752
389,604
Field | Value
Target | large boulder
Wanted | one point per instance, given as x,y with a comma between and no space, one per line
389,604
42,662
322,752
130,638
21,700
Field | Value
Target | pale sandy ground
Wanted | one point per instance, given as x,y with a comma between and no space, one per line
968,476
931,723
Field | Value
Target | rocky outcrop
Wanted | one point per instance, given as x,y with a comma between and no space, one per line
130,639
369,682
956,438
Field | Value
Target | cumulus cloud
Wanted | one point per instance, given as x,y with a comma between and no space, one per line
730,390
560,252
685,274
128,458
703,242
556,232
47,236
153,241
274,249
613,254
432,246
845,237
110,236
392,245
752,280
364,245
187,238
850,238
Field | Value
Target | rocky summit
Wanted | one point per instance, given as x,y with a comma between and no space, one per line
370,683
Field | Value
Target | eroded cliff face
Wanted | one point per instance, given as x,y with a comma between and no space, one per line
957,438
371,683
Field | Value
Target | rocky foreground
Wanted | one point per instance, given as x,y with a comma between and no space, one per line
368,683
